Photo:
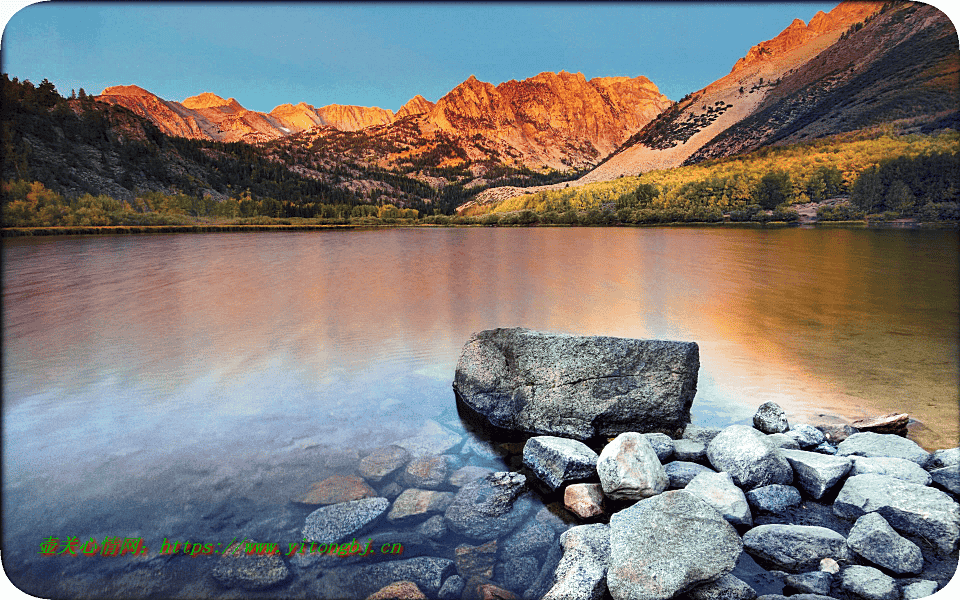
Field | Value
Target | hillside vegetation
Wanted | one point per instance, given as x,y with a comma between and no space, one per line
862,166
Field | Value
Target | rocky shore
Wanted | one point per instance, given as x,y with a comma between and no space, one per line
614,494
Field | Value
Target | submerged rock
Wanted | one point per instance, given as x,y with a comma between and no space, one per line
489,507
401,590
337,489
383,462
426,572
236,568
337,521
414,504
577,387
668,544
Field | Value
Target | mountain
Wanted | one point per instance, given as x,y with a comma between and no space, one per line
553,120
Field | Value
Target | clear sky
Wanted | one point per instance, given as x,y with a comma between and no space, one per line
377,54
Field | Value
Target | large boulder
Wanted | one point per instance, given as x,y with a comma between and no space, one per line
775,498
629,468
750,458
795,548
900,468
665,545
910,508
582,571
557,460
575,386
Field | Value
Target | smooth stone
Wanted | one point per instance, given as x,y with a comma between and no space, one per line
727,587
872,538
434,528
883,444
782,440
236,568
534,537
489,507
750,458
680,472
909,508
427,572
337,489
556,461
426,472
947,478
795,548
580,387
700,433
945,458
814,582
807,436
719,491
433,438
400,590
629,468
893,423
337,521
816,473
452,588
383,462
919,589
668,544
581,573
414,504
770,418
584,499
476,561
894,467
662,445
773,498
465,475
869,583
689,450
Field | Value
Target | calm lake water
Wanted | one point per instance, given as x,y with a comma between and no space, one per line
188,386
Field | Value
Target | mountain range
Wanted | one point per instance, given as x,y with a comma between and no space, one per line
862,65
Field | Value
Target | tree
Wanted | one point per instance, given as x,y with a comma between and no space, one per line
900,198
775,189
867,191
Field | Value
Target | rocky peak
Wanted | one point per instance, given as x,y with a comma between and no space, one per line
353,118
207,100
126,90
415,106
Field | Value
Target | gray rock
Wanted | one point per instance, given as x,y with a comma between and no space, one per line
816,473
689,450
519,572
869,583
894,467
782,440
727,587
629,468
544,580
814,582
795,597
719,491
465,475
426,472
581,573
434,528
874,539
806,435
770,418
910,508
236,568
945,458
388,545
533,538
433,438
383,462
883,444
680,472
947,478
557,461
426,571
773,498
338,521
825,448
662,445
919,589
415,504
750,458
795,548
577,387
452,588
489,507
700,433
668,544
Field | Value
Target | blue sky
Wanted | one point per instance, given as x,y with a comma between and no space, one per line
377,54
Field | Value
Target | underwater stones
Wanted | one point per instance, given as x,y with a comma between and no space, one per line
236,568
337,489
489,507
429,471
383,462
337,521
414,504
579,387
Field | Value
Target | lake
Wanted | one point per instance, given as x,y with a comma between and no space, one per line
188,386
